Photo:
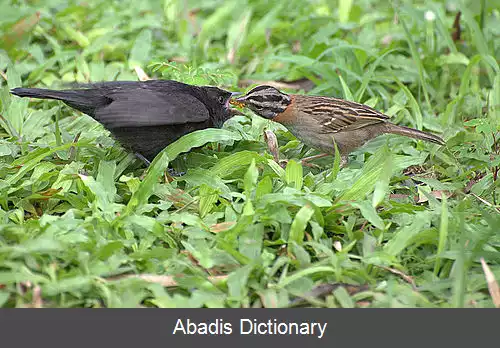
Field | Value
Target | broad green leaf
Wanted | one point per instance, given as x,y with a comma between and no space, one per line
382,185
208,197
264,187
369,213
343,297
29,161
146,187
336,164
421,72
198,177
443,234
197,139
250,241
216,20
277,169
227,165
294,174
251,177
299,224
403,237
413,104
75,35
237,34
367,180
344,10
304,273
237,282
140,53
345,89
105,176
103,198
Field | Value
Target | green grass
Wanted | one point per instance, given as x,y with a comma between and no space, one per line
84,224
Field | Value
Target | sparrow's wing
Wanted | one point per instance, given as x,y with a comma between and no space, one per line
145,107
338,115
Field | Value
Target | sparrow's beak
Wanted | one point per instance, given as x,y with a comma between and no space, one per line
241,100
235,94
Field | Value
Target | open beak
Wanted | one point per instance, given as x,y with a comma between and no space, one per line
236,103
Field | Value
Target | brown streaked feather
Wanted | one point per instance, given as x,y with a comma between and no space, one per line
318,121
336,114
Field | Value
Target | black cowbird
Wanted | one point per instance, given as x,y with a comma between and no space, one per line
146,116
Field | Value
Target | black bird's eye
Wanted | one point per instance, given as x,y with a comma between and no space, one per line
221,100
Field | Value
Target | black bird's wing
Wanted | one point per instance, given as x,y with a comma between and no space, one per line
143,107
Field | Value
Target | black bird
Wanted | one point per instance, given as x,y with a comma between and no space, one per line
146,116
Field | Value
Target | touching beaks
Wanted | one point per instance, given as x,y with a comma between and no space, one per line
238,102
234,103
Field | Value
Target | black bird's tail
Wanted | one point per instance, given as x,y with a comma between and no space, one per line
85,100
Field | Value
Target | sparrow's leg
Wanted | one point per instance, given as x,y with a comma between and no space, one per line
310,158
343,161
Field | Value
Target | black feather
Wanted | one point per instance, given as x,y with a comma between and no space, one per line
144,116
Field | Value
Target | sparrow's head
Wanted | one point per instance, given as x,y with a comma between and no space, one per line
265,101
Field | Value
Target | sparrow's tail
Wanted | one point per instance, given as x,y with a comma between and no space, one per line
414,133
85,100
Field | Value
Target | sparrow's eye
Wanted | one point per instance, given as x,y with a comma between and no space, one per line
221,100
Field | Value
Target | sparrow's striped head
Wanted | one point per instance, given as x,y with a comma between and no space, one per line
265,101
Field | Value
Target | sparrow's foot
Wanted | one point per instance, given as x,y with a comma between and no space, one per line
343,161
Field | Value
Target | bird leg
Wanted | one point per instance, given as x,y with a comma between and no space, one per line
310,158
343,161
169,172
342,164
305,161
142,158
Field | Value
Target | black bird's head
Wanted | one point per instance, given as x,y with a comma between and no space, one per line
265,101
217,102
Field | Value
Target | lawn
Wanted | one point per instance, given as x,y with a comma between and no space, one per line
83,223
